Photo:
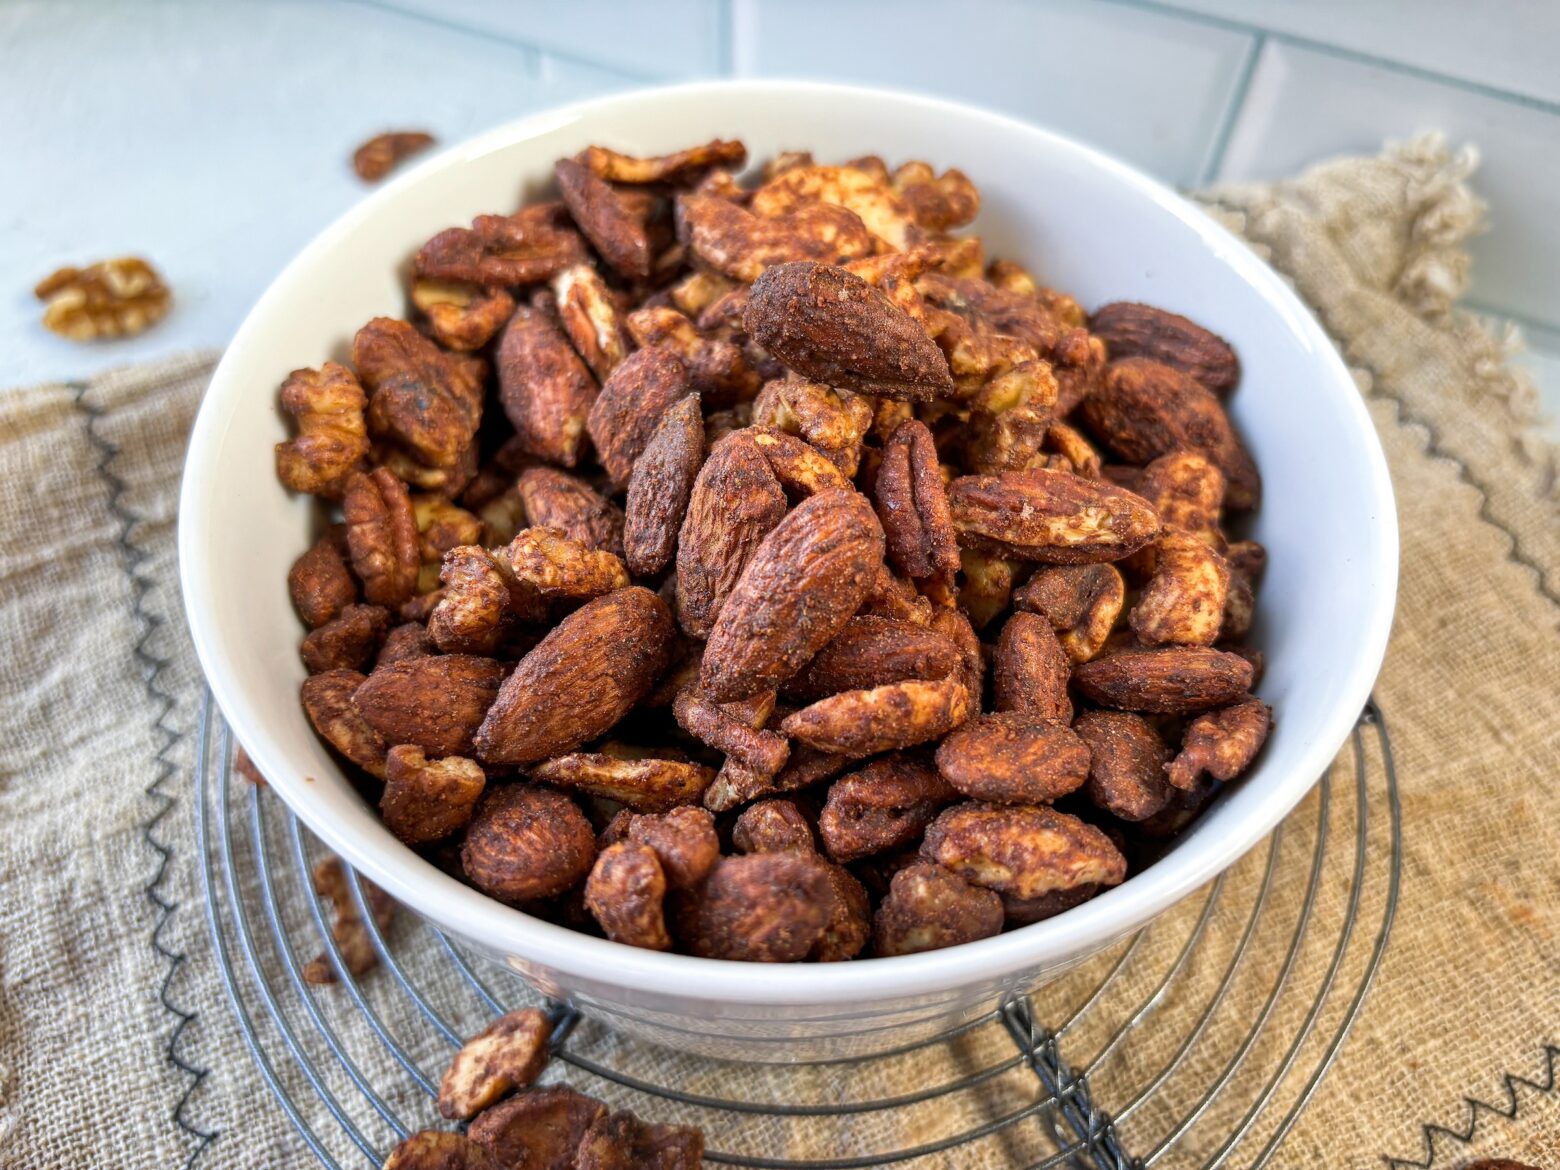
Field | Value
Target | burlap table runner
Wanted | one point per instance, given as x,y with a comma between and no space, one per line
117,1047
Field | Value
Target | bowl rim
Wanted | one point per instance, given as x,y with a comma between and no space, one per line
450,903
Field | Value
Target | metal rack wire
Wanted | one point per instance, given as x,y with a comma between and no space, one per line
1197,1042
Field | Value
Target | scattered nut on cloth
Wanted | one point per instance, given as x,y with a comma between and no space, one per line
102,694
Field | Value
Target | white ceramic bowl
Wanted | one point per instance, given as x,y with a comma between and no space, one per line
1085,223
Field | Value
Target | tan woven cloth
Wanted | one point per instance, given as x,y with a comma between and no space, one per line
117,1044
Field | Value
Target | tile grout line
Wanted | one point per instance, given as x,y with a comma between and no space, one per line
540,51
1234,106
1357,56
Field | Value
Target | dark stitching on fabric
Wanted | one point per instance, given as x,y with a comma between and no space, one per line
152,666
1433,446
1512,1083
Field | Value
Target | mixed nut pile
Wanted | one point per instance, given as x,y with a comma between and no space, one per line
756,571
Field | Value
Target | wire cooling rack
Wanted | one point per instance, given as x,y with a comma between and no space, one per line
1196,1042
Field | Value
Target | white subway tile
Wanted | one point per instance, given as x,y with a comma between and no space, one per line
1508,44
1305,106
1147,87
215,140
643,38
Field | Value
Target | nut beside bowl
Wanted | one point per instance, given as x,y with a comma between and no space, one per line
1086,224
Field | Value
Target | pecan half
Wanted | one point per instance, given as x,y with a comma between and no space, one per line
614,224
327,701
526,842
1082,603
1022,851
833,327
723,728
1013,758
347,641
928,907
479,608
420,399
805,580
734,242
460,314
1049,516
504,251
1031,671
426,800
377,157
1133,330
590,317
508,1054
556,568
545,389
319,582
1223,743
1127,764
912,505
718,369
873,651
677,169
660,485
862,190
579,680
327,406
1170,680
885,718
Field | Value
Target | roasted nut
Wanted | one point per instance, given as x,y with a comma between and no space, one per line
526,842
833,421
895,598
623,1142
462,315
556,499
1127,768
737,785
432,1149
327,406
734,242
1184,602
420,398
833,327
761,908
589,316
1031,671
645,784
928,908
912,505
881,719
718,369
479,609
630,405
1013,758
377,157
806,579
954,626
508,1054
1023,911
319,581
684,841
999,311
736,501
678,169
1223,743
625,893
544,387
801,469
1144,409
1022,851
986,586
938,202
1239,609
849,927
873,651
1072,449
1133,330
1186,488
660,485
723,727
347,930
883,807
1010,418
1082,603
436,703
556,568
245,767
112,298
539,1129
504,251
1049,516
615,224
1170,680
579,680
347,641
772,826
862,190
1248,558
408,640
382,536
426,800
327,701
